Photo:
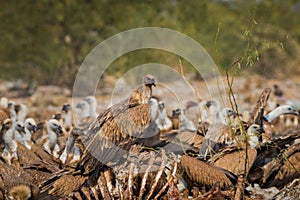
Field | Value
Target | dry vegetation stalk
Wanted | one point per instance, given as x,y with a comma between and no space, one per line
130,181
103,187
239,191
158,175
144,180
169,182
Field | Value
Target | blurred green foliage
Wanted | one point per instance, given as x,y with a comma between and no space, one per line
46,40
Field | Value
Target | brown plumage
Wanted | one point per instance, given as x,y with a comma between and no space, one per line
16,183
42,154
23,192
201,173
37,152
289,171
26,157
285,168
40,171
233,159
180,141
85,122
224,132
116,129
272,157
4,126
175,118
36,162
69,183
39,137
260,104
116,126
4,114
61,141
221,134
292,191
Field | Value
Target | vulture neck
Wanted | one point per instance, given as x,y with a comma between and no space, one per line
9,139
253,139
68,119
85,112
162,116
27,135
185,123
274,114
69,144
93,107
18,135
68,149
147,93
203,111
215,112
22,113
154,109
3,102
13,116
224,119
52,137
27,138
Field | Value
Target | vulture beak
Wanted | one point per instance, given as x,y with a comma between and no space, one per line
208,104
65,108
261,130
34,128
296,112
17,108
234,114
10,104
153,83
149,80
59,130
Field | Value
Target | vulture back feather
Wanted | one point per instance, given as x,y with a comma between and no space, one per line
259,106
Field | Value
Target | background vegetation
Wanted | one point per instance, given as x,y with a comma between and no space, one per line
46,41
